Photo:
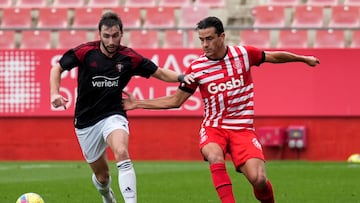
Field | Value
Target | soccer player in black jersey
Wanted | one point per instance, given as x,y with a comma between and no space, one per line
104,68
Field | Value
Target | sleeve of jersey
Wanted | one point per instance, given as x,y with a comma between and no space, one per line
141,66
68,60
186,87
256,56
146,68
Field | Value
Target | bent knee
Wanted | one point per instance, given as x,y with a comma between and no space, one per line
214,158
258,180
121,154
213,153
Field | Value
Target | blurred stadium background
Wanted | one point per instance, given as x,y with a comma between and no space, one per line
301,113
275,23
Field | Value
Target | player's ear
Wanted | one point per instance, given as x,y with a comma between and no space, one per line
222,35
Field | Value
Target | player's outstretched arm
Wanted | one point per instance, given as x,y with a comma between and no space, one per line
171,76
167,102
55,79
285,57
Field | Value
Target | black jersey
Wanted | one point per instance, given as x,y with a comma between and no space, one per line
101,80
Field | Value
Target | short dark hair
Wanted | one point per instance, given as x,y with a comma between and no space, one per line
110,19
211,22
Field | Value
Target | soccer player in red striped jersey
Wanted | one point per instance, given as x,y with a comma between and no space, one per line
223,77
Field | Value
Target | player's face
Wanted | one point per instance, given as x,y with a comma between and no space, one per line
212,43
110,39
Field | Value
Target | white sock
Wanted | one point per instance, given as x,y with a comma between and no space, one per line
127,180
103,188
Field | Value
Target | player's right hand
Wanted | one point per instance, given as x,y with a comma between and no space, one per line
57,101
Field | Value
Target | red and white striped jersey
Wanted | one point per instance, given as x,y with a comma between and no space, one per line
226,87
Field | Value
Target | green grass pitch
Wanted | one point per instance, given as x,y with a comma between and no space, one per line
182,182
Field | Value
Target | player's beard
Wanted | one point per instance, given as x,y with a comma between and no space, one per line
110,49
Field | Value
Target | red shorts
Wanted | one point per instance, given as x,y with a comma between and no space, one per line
240,144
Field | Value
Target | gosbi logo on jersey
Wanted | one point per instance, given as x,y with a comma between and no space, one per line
214,88
103,81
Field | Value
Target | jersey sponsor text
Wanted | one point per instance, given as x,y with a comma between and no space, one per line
105,82
214,88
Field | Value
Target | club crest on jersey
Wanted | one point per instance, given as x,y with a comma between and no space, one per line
119,67
237,65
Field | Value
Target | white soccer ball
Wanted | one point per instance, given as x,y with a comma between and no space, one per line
354,158
30,198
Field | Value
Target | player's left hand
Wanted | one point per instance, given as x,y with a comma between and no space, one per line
312,61
189,78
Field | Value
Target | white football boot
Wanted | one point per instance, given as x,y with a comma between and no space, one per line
109,198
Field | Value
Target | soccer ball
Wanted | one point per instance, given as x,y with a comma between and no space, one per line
30,198
354,158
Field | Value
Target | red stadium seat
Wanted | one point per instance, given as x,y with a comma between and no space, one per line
130,16
70,38
211,3
175,3
7,39
31,39
146,39
16,18
308,17
190,15
6,3
345,16
268,16
87,17
352,2
157,17
355,39
292,38
272,136
31,3
283,2
178,39
53,18
103,3
140,3
256,38
329,39
322,2
68,3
